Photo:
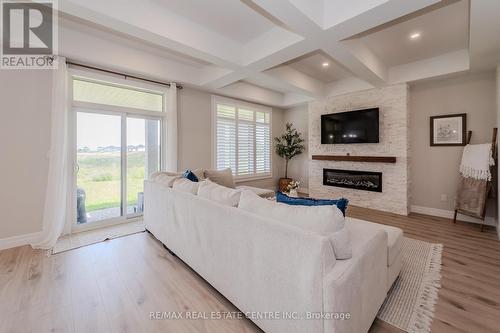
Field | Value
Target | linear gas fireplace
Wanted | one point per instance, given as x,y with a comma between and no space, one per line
359,180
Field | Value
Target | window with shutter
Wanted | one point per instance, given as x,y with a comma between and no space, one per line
242,138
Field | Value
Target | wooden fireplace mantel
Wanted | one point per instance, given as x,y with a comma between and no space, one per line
350,158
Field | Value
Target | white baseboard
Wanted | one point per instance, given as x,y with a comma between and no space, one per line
15,241
449,214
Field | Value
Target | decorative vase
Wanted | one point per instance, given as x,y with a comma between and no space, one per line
293,193
284,183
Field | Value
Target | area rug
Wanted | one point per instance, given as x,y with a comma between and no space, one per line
410,303
85,238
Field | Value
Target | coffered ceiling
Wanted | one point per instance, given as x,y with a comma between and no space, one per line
273,51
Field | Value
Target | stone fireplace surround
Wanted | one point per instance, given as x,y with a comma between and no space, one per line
393,102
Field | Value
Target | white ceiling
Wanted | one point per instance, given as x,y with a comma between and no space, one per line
442,30
312,65
242,48
230,18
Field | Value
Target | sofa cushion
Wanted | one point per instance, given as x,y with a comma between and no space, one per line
261,192
165,178
185,185
321,219
199,173
221,177
218,193
327,221
394,236
167,173
340,203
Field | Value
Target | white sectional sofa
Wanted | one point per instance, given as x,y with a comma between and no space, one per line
265,266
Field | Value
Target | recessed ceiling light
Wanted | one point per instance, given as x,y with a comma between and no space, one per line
415,35
325,64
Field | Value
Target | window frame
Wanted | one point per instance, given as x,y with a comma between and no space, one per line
124,112
249,106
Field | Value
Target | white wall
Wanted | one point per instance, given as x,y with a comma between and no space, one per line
25,104
434,170
298,167
194,130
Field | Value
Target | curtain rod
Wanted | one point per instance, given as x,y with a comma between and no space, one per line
69,62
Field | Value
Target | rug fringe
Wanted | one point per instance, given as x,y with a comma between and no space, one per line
424,309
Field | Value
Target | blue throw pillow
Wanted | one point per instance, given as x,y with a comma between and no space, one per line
190,175
340,203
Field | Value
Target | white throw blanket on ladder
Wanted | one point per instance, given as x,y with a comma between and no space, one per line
476,161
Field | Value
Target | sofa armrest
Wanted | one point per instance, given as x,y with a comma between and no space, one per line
356,287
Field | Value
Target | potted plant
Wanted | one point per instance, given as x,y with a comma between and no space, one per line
288,145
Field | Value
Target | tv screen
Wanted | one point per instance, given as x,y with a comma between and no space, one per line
350,127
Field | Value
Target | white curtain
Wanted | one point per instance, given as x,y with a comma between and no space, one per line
56,195
170,149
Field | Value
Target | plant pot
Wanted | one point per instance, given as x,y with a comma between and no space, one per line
284,183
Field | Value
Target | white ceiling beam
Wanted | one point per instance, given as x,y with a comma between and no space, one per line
369,59
252,93
298,79
269,43
346,58
291,17
279,84
220,81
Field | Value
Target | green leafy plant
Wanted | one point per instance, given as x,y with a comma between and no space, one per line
289,145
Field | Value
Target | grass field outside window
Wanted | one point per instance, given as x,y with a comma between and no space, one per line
99,176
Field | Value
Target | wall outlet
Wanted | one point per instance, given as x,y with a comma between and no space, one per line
444,197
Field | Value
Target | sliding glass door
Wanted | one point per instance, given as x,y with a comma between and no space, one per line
115,154
99,167
143,159
116,148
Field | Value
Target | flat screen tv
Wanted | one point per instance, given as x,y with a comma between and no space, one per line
359,126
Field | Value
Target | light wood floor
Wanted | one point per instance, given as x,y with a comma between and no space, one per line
113,286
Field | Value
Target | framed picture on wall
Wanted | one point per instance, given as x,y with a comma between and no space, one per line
449,130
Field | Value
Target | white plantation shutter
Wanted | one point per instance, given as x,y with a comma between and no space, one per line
246,130
243,139
226,137
262,143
